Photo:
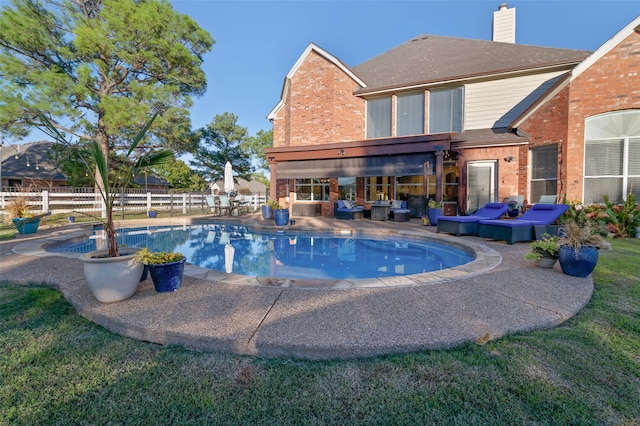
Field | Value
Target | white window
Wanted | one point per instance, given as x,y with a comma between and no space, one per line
312,189
410,114
377,188
379,117
612,156
445,110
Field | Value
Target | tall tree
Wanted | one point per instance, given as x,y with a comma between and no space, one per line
100,68
179,175
256,145
222,140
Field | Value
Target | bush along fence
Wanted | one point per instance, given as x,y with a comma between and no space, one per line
128,202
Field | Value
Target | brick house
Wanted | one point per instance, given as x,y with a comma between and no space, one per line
459,120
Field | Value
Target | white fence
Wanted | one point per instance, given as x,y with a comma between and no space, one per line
125,202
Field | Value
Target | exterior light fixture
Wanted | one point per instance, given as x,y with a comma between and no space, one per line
341,152
509,159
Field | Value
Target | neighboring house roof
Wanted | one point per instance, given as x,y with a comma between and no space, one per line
150,179
429,59
32,162
253,185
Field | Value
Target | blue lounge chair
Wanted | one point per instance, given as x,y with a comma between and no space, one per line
468,225
529,226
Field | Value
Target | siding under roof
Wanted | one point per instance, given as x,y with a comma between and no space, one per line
431,59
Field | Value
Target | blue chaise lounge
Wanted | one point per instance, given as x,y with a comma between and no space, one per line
527,227
468,225
344,210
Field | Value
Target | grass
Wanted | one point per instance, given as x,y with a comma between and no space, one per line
58,368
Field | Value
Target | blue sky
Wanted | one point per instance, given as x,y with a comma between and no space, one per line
257,42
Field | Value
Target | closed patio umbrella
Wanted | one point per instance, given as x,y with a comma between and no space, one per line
228,178
229,252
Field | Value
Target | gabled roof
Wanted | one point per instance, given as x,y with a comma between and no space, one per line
579,69
429,59
329,57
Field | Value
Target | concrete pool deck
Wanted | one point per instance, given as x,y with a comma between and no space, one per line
499,293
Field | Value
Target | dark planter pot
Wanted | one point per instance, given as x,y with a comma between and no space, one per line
580,264
281,216
513,212
167,277
26,227
267,212
152,214
547,260
145,273
433,215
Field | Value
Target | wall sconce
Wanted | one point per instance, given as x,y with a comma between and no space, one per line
509,159
341,152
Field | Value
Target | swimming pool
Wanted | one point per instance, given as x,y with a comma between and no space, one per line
236,249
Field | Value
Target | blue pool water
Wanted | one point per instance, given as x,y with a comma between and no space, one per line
284,255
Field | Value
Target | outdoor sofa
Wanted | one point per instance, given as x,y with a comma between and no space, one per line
531,225
346,210
468,225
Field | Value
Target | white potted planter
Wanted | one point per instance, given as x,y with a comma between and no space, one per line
112,279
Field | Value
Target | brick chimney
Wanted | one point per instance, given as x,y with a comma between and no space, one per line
504,24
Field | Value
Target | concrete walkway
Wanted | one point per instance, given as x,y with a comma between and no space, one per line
497,294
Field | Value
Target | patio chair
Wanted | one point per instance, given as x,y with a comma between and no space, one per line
399,211
211,202
468,225
519,199
548,199
531,225
344,210
225,204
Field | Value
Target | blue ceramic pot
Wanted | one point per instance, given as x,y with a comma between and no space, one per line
167,276
579,264
26,228
433,215
267,212
281,216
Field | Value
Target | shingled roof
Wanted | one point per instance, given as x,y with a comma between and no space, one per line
429,59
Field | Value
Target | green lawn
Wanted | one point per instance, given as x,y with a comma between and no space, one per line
58,368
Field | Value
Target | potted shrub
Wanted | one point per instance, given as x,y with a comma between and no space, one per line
19,213
281,216
579,244
512,206
166,268
544,251
112,274
435,210
268,208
